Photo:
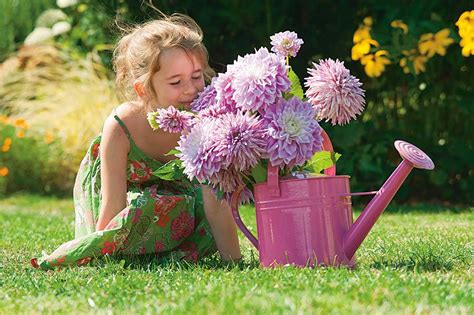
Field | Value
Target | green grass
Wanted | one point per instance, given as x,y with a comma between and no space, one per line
416,260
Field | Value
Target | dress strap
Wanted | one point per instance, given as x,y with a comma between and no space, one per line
122,124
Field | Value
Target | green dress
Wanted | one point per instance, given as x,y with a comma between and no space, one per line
165,218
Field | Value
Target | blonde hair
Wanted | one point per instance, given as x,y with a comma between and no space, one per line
136,56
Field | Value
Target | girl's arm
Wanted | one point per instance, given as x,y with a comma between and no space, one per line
222,224
114,149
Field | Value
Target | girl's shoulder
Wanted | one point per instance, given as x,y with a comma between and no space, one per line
130,113
131,117
154,143
115,132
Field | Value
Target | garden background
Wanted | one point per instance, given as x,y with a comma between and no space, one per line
54,96
414,59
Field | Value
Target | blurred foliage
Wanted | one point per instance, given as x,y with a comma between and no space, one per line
431,109
31,161
17,20
59,93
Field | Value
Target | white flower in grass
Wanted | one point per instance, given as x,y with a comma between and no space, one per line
61,28
38,36
50,17
66,3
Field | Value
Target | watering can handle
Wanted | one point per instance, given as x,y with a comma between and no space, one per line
234,205
272,174
327,146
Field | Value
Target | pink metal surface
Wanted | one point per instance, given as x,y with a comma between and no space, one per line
415,156
308,221
412,157
234,202
305,225
360,193
327,146
374,209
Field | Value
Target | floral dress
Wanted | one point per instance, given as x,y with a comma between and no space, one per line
165,218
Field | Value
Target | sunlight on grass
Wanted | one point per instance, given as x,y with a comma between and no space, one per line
410,263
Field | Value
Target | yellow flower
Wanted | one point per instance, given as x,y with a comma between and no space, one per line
363,48
403,64
81,8
362,33
467,44
430,44
465,23
6,144
4,119
368,21
400,24
415,58
419,63
20,134
48,137
375,63
20,122
409,52
3,171
467,31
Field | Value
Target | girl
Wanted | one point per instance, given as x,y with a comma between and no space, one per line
121,207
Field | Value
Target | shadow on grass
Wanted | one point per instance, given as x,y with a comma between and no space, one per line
415,261
414,264
424,259
150,262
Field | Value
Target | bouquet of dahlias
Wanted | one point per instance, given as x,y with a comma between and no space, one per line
256,113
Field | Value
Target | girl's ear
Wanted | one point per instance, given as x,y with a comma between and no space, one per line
138,87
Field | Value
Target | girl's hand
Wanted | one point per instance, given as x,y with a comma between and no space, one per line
223,227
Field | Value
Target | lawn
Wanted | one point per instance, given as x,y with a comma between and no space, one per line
416,260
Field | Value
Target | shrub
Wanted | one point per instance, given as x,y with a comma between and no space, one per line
17,20
31,161
58,94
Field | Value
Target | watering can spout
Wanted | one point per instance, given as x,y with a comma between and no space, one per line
412,157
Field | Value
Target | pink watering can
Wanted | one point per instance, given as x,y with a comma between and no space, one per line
308,221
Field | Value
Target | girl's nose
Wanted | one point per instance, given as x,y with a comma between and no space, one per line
190,88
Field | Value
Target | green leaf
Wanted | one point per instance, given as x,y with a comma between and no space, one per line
219,194
170,171
173,152
259,173
322,160
151,117
296,88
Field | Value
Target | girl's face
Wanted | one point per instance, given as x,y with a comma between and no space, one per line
179,80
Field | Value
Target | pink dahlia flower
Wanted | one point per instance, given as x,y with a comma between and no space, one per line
238,140
258,80
293,134
205,99
246,196
224,91
334,92
227,180
218,110
171,120
198,160
286,43
223,103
